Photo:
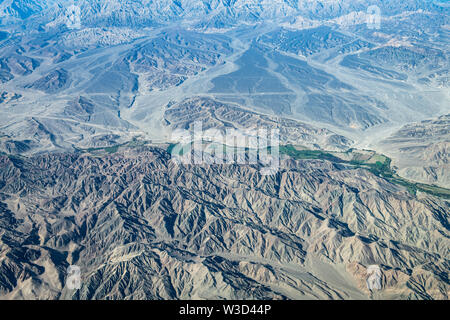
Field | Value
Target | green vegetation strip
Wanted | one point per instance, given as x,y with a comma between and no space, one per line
113,149
380,169
308,154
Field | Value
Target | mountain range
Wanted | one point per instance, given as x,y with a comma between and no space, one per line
90,95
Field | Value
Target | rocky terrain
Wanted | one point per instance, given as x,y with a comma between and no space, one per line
315,62
91,93
220,116
141,227
421,150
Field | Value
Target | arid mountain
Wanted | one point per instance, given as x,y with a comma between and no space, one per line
140,226
215,115
421,150
316,62
92,93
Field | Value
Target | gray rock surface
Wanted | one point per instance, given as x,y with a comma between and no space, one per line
141,227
